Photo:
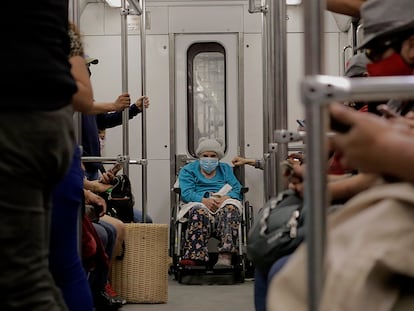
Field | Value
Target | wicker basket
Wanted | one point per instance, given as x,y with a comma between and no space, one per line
142,275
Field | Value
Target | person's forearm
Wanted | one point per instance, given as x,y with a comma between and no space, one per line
82,100
101,108
346,7
109,120
348,187
89,185
396,155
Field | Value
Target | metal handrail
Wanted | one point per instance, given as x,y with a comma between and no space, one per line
144,113
315,192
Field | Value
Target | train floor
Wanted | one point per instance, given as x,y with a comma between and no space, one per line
202,297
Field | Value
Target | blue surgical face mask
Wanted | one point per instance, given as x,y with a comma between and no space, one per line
208,164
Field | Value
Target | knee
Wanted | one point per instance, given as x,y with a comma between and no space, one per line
117,224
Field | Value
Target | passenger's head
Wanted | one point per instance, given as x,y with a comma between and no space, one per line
209,151
356,66
388,36
209,146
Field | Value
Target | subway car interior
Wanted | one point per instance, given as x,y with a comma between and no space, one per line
245,72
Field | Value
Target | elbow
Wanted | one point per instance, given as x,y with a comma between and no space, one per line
83,99
83,105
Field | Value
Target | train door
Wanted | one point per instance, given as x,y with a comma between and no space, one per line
206,93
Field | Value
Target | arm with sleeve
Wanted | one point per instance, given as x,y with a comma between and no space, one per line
187,179
112,119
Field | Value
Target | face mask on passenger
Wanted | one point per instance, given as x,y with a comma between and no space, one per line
208,164
393,65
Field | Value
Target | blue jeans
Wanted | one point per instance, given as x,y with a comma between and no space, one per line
262,281
99,277
110,236
138,216
64,260
35,152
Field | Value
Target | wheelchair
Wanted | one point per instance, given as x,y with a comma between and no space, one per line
241,267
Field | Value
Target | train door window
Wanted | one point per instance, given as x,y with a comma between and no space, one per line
206,93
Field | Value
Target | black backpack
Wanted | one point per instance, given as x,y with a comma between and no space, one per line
278,230
119,199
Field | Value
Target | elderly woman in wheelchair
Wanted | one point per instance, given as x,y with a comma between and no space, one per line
213,206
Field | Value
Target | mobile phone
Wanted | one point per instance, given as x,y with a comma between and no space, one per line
301,123
338,126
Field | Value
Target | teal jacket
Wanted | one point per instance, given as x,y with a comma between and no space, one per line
195,186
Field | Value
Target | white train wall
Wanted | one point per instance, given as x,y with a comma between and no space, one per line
101,29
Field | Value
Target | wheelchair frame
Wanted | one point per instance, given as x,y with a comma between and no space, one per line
241,266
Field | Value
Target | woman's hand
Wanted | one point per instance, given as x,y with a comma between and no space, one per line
211,203
94,199
142,99
123,101
364,145
296,179
107,178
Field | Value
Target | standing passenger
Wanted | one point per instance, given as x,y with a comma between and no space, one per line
103,116
37,137
64,259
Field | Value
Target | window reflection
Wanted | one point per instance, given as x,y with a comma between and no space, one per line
206,93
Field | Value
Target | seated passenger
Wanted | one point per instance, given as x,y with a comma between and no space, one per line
389,33
211,212
111,233
106,182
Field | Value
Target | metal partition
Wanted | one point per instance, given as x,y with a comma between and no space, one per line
274,90
263,9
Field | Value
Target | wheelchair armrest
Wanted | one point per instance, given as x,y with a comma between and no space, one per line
244,189
177,190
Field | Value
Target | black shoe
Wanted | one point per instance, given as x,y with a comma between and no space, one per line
104,302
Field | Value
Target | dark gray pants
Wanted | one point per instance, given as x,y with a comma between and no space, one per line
35,152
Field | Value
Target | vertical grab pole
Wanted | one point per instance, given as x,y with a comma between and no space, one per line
316,154
265,57
144,115
270,168
124,72
276,91
280,86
